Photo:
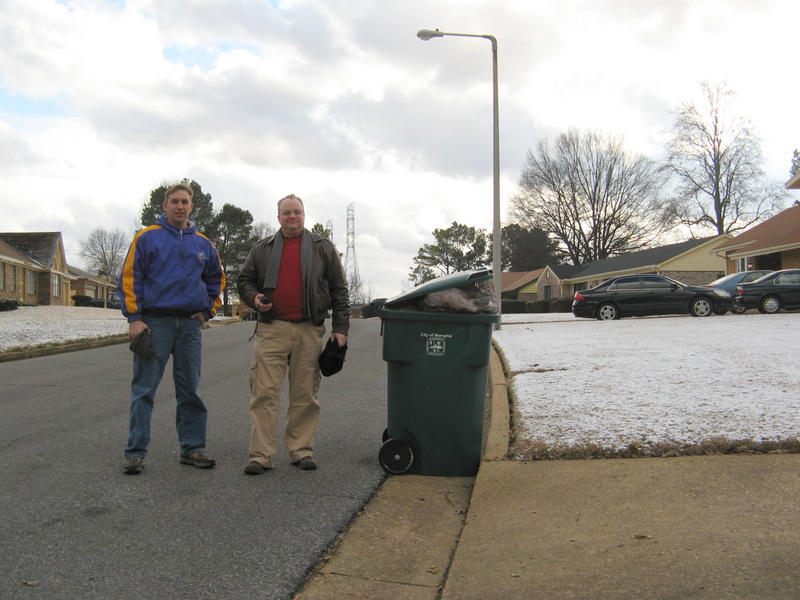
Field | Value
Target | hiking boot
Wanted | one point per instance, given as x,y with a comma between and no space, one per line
255,468
305,464
133,466
198,459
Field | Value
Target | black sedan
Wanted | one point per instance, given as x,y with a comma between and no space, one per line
779,289
730,282
643,295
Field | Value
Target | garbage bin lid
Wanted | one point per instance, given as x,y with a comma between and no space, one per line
453,280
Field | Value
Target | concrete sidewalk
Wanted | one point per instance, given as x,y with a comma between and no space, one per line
705,528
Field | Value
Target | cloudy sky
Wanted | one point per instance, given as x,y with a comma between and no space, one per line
339,102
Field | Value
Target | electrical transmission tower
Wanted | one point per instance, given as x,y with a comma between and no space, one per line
329,227
350,261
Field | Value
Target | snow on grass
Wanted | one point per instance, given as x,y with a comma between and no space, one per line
31,326
651,381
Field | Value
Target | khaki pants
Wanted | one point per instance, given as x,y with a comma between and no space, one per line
280,345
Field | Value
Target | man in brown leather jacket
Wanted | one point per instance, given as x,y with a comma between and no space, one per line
294,279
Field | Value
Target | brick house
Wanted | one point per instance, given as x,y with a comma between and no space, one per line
86,284
33,269
520,285
773,244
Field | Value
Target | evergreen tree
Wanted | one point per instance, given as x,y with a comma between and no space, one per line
201,216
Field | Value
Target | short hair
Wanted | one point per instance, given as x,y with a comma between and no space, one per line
177,187
290,197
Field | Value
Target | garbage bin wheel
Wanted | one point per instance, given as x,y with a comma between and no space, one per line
396,456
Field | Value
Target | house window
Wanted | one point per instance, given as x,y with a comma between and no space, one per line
548,292
13,282
2,276
56,285
30,281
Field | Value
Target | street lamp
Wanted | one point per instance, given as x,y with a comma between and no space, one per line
427,34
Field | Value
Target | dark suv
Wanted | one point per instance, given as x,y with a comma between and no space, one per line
112,302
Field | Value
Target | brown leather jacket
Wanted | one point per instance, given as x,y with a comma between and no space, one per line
330,291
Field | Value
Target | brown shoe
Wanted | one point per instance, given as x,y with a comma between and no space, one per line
198,459
133,466
305,464
255,468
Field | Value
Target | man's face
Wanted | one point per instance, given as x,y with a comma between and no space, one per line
291,217
178,208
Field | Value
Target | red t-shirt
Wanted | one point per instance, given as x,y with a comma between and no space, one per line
287,299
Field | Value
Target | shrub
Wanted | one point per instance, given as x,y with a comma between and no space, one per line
513,307
538,306
9,305
561,305
81,300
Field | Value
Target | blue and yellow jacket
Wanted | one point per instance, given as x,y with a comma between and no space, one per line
170,270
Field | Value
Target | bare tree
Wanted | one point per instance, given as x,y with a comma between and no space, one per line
104,251
591,195
262,230
716,158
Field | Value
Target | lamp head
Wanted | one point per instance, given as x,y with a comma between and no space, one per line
426,34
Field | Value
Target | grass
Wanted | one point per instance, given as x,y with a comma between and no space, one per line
524,449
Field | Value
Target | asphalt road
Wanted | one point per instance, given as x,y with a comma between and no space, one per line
72,525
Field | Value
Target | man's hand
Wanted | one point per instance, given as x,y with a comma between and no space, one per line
199,315
135,328
260,305
340,338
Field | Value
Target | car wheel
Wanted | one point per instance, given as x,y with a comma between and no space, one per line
738,310
607,312
769,305
700,307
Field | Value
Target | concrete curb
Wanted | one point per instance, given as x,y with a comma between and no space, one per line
499,413
73,346
62,348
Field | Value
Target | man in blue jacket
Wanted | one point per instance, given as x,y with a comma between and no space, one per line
170,285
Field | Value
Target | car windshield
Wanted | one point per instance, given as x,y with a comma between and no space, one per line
765,277
725,279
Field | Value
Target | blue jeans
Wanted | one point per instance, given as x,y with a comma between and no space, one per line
181,337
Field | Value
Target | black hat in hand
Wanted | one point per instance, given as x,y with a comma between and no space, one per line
142,345
331,360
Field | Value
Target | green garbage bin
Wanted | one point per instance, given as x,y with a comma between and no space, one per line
437,373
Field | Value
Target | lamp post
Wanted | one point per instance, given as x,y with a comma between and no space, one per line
427,34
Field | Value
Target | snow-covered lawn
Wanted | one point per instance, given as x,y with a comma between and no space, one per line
31,326
649,382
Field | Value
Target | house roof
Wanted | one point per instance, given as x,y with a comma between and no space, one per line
9,251
515,280
564,271
794,182
781,232
40,248
636,260
81,274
